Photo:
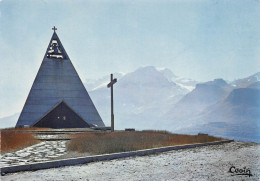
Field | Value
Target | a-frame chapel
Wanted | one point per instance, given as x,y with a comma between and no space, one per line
58,98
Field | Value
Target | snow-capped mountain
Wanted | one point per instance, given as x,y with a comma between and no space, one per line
145,94
183,82
152,98
245,82
186,83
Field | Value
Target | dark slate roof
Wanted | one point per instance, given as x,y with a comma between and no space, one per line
57,80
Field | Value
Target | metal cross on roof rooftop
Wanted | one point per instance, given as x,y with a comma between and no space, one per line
54,28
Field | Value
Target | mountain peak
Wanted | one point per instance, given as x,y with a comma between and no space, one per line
219,82
215,82
167,73
146,75
245,82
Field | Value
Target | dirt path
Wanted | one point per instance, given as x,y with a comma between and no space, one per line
204,163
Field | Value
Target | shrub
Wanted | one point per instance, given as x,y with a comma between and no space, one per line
11,141
101,143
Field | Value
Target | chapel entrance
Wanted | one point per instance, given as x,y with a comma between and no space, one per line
61,116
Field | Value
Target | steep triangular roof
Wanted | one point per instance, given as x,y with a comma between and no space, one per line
57,80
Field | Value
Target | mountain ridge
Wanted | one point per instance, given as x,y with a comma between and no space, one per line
156,98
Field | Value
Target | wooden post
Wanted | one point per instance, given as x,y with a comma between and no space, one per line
110,85
112,106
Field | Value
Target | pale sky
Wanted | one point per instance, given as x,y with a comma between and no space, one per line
198,39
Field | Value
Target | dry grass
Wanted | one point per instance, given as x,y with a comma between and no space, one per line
12,140
25,129
101,143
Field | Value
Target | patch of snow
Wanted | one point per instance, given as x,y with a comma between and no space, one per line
101,85
190,88
122,73
184,79
160,68
43,151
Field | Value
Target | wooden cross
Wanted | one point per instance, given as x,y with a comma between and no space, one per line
112,82
54,28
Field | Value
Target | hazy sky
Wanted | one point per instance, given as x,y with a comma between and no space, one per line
199,39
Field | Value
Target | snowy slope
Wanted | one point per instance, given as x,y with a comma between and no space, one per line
141,97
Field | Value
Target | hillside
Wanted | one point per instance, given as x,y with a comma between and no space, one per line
237,116
205,94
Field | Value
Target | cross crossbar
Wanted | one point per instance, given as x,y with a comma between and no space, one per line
111,83
54,28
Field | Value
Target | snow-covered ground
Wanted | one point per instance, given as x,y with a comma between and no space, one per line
44,151
204,163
